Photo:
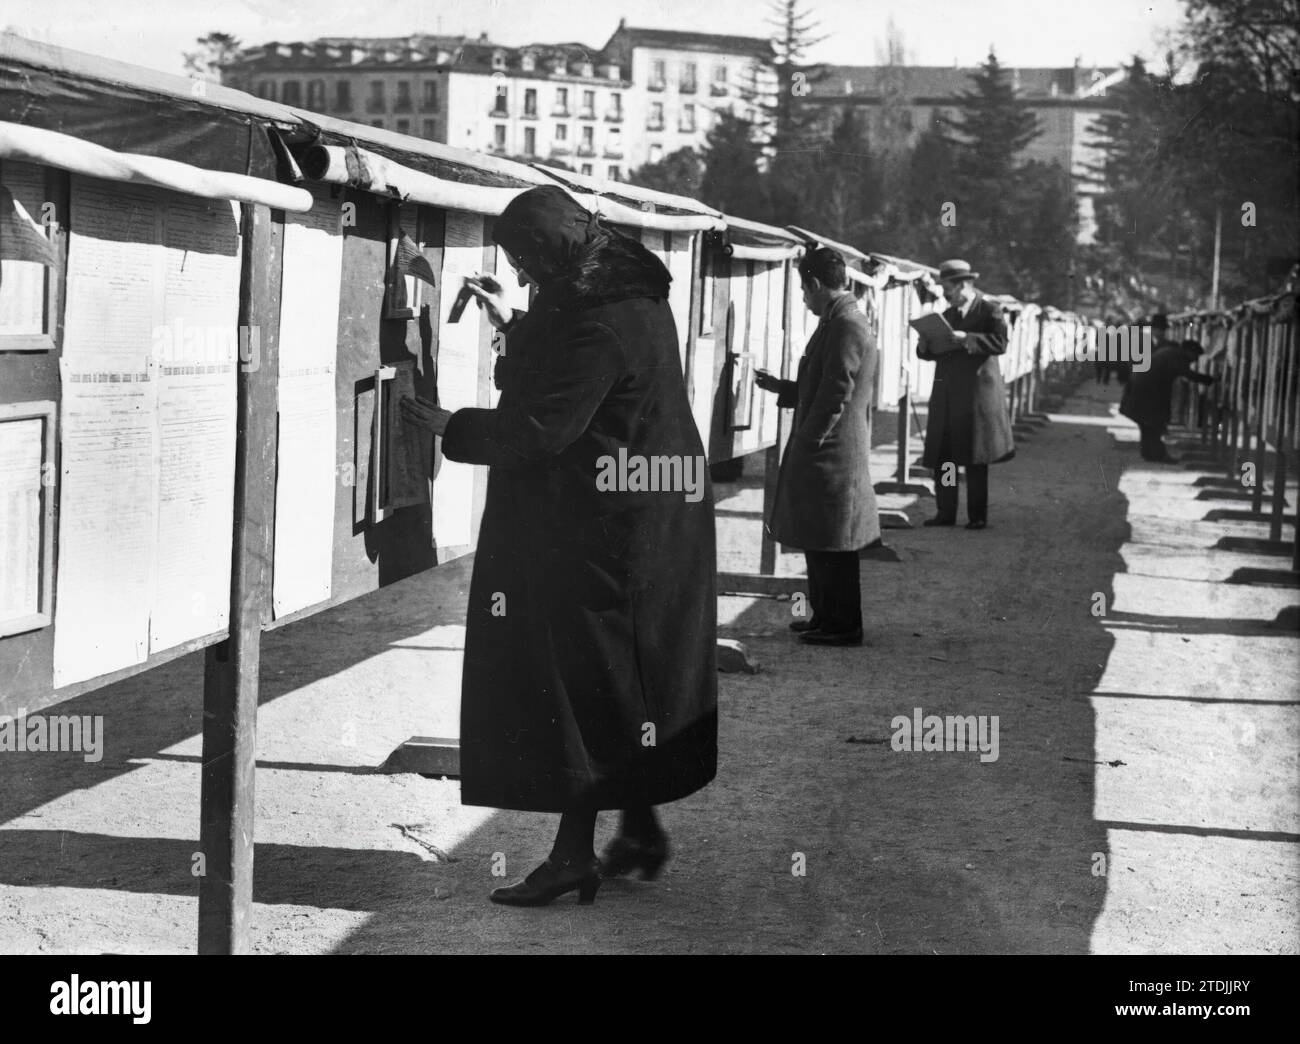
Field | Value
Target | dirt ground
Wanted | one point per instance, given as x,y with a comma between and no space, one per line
1145,797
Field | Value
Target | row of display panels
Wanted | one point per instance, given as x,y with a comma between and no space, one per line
120,355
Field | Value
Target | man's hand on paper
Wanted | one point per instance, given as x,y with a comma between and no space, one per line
424,414
491,298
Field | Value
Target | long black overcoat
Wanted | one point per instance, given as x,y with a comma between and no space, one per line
590,656
968,403
1147,396
824,496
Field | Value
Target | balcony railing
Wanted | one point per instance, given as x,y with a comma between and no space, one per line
587,114
586,150
653,124
656,85
402,105
498,110
685,128
613,151
614,116
374,106
718,90
527,115
687,87
560,112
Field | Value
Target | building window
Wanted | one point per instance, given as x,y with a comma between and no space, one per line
430,98
530,141
613,172
561,101
561,67
499,105
403,126
527,62
562,132
291,92
498,59
658,75
375,100
586,169
499,136
656,120
430,130
585,69
343,96
588,146
376,123
614,142
266,89
686,124
688,78
403,102
530,102
588,105
719,85
615,113
656,153
316,94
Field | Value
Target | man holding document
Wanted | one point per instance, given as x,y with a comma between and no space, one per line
968,425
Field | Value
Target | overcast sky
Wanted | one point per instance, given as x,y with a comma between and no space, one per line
940,32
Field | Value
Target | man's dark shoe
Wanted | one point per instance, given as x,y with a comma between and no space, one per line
939,520
800,626
976,524
853,637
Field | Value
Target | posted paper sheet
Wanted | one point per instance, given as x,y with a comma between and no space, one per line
305,475
148,426
458,354
22,445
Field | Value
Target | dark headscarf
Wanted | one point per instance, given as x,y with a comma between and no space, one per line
545,229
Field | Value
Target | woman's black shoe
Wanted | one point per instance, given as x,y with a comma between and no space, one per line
939,520
799,626
550,881
626,854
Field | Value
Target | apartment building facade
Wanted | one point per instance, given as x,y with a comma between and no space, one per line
601,111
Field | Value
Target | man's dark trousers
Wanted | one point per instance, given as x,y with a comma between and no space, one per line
977,490
1151,442
834,591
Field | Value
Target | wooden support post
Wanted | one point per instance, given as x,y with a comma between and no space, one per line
1257,498
231,667
904,437
771,469
1279,495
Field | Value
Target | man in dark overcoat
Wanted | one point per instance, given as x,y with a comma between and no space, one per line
825,503
969,425
1146,399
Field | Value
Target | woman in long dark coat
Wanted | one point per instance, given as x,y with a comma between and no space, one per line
590,658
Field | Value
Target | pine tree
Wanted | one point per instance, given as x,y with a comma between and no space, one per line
679,172
732,181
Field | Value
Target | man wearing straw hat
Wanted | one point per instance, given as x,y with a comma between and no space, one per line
968,424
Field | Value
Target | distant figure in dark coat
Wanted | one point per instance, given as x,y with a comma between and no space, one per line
590,648
968,423
1147,396
825,503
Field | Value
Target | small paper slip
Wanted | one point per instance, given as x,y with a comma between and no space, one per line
936,333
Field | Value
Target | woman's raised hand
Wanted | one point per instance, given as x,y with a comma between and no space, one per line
491,298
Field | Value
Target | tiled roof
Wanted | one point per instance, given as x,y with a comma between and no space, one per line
626,37
929,81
